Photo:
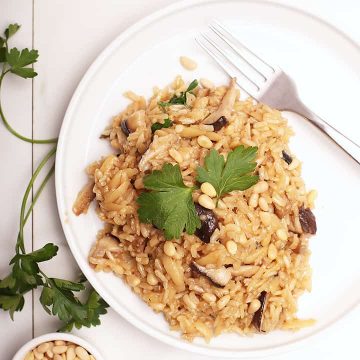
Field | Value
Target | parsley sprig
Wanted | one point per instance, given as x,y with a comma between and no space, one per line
58,296
181,99
168,204
234,174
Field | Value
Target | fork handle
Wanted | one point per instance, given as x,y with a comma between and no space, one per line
349,146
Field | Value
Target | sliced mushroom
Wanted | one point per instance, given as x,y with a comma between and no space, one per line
286,157
226,105
307,220
220,123
218,277
124,128
258,317
136,120
209,223
83,200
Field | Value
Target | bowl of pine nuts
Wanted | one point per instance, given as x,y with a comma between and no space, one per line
57,346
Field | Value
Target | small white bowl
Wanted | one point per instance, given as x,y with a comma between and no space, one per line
32,344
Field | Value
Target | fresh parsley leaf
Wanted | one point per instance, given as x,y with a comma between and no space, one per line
169,206
2,42
157,126
181,99
62,302
68,285
18,60
95,307
24,72
11,303
234,174
11,30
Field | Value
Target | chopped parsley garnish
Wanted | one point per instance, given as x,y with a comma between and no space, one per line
234,174
157,126
168,205
181,99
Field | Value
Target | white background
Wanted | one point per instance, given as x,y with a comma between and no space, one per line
69,34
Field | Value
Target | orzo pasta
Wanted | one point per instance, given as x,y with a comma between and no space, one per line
244,270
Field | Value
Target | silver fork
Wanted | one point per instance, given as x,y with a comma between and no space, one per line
265,82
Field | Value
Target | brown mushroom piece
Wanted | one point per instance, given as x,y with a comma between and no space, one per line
286,157
226,106
218,277
258,317
124,128
307,221
209,223
220,123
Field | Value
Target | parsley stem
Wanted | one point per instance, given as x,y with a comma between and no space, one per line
20,239
14,132
39,191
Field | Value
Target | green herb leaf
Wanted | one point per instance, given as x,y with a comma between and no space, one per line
169,206
11,303
181,99
11,30
95,307
68,285
2,42
17,59
234,174
24,72
157,126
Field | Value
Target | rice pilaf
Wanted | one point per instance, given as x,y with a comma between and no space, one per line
260,243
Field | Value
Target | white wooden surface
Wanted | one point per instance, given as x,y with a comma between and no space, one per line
69,34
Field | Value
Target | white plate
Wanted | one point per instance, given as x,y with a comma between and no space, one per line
321,60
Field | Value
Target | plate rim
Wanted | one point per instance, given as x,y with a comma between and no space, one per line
59,188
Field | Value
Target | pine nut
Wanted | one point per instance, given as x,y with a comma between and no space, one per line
29,356
265,218
311,196
58,357
242,239
231,247
59,342
49,354
38,355
187,63
176,155
59,349
281,234
261,187
204,142
272,252
81,353
151,279
210,298
208,189
43,347
92,357
206,202
207,84
223,302
253,201
169,248
263,204
254,306
70,353
139,184
179,128
221,205
133,280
